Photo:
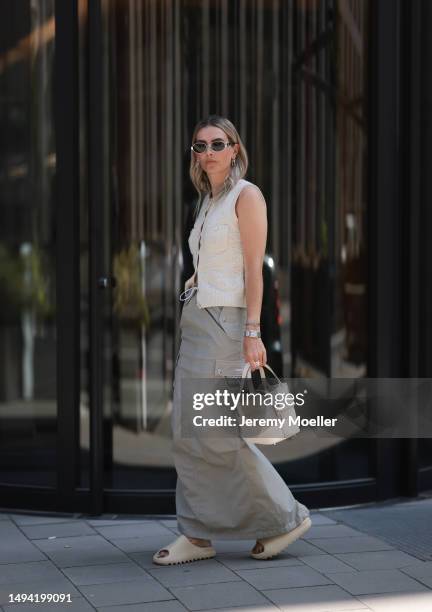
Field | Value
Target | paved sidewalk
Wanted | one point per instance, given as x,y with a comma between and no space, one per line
377,557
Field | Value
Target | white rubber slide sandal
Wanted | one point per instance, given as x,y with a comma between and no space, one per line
182,550
276,544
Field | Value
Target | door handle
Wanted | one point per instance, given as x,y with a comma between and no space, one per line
105,282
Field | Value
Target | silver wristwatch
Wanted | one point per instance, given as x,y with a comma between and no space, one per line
253,333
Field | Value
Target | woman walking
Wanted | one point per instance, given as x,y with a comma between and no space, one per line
226,487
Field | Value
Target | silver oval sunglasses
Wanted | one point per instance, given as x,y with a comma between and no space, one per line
216,145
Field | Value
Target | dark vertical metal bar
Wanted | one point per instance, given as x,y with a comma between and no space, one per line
411,180
95,157
411,112
384,217
423,147
384,221
425,322
66,118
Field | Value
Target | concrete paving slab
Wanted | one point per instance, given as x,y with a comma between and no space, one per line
41,519
325,563
144,543
399,602
100,574
237,561
117,522
329,531
134,530
123,593
381,559
320,519
120,520
78,604
33,571
144,559
329,598
406,525
19,554
208,596
185,575
283,577
80,550
419,570
170,523
426,581
15,547
158,606
360,543
259,608
301,548
376,581
57,530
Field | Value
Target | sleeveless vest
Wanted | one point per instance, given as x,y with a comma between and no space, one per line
221,265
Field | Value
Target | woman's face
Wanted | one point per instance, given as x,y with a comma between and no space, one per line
215,163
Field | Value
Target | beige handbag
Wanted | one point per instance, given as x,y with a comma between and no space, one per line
269,433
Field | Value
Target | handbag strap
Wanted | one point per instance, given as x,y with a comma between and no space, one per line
248,372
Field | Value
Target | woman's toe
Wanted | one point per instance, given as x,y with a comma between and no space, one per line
258,548
162,553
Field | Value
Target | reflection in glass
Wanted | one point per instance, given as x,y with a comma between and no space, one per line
329,250
28,408
330,189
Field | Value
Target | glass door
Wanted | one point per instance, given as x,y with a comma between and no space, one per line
133,206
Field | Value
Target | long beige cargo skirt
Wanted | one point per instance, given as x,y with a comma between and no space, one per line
226,487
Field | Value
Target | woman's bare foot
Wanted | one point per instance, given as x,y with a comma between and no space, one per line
258,547
196,541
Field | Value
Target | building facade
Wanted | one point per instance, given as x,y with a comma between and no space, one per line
99,100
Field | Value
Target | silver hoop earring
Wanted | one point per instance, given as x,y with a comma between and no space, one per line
233,161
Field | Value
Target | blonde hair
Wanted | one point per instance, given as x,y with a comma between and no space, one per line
199,177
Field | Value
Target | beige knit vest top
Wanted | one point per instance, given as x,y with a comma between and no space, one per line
220,264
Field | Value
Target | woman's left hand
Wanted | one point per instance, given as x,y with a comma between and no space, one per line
254,351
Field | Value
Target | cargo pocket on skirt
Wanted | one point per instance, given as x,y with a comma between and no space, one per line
231,368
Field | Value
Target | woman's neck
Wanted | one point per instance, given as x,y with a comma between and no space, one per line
217,187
